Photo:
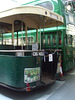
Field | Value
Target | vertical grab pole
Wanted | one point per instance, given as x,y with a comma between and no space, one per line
22,34
43,24
13,33
57,27
57,31
17,38
40,32
2,38
22,31
40,28
37,35
26,34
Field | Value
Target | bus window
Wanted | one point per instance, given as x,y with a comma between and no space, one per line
0,41
43,40
30,40
19,28
54,40
47,5
7,41
21,41
59,39
5,34
48,40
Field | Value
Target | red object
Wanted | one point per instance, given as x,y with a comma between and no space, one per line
28,89
60,41
27,84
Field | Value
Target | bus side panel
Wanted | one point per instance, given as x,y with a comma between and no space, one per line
12,70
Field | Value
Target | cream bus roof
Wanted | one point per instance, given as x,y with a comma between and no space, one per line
31,16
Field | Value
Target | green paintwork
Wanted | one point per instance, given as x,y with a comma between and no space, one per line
67,59
55,4
12,70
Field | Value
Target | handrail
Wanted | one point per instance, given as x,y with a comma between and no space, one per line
53,49
21,51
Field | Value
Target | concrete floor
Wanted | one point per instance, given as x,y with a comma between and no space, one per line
60,90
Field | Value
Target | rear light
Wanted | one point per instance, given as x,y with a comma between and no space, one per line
27,84
28,89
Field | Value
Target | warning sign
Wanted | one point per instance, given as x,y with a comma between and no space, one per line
50,57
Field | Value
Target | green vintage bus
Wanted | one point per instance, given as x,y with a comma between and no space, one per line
20,62
62,37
